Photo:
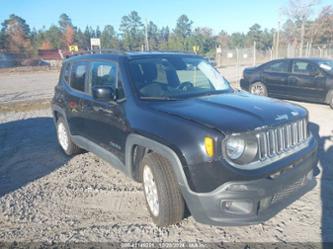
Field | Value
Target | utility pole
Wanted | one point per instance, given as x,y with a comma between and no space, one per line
254,53
277,41
274,46
146,35
302,38
237,64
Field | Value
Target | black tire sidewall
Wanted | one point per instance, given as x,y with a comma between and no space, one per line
165,191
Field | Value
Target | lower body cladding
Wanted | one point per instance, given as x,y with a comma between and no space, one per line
252,202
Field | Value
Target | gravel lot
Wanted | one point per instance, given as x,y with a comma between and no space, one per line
27,86
47,196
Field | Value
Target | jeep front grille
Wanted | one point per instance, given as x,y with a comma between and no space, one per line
281,139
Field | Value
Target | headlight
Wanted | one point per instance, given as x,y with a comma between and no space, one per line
241,149
235,147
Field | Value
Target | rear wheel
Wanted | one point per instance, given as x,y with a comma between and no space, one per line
64,139
163,197
329,99
259,89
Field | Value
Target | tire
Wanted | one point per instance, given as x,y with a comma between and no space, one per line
331,101
259,89
164,201
64,139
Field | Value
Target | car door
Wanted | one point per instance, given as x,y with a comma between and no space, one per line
306,81
275,77
105,122
76,85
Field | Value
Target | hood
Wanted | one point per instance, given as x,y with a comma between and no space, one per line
250,68
232,112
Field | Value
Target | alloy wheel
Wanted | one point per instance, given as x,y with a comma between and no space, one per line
62,136
150,189
258,90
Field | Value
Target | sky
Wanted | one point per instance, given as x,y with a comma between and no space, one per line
227,15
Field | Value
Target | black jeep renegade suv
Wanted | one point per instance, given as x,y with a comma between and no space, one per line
171,121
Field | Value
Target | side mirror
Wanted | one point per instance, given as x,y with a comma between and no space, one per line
104,93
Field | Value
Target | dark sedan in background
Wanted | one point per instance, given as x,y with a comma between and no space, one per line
308,79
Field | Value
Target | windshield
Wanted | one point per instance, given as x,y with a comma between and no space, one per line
326,65
176,77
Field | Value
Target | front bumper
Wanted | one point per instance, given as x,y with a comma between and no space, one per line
252,202
244,84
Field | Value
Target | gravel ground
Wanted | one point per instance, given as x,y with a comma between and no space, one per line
27,86
47,196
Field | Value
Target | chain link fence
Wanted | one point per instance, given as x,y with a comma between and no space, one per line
232,62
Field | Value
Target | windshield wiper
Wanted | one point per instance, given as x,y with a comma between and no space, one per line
158,98
213,93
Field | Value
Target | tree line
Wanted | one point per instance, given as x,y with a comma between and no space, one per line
134,33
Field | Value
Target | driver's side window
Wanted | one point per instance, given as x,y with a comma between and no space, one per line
303,67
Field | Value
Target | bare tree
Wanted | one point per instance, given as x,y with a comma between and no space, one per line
300,11
323,26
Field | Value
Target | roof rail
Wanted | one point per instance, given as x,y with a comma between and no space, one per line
173,51
105,50
122,52
95,51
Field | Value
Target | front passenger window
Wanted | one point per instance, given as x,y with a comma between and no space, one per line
103,74
303,67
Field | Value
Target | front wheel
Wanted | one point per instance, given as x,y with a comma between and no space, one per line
259,89
163,197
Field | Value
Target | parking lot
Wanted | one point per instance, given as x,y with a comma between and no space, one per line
47,196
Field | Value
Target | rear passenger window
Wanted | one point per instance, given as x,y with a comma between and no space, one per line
67,72
78,76
279,67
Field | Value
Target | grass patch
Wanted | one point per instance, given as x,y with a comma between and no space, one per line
25,106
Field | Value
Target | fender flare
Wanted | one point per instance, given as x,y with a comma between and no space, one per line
56,108
329,95
163,150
